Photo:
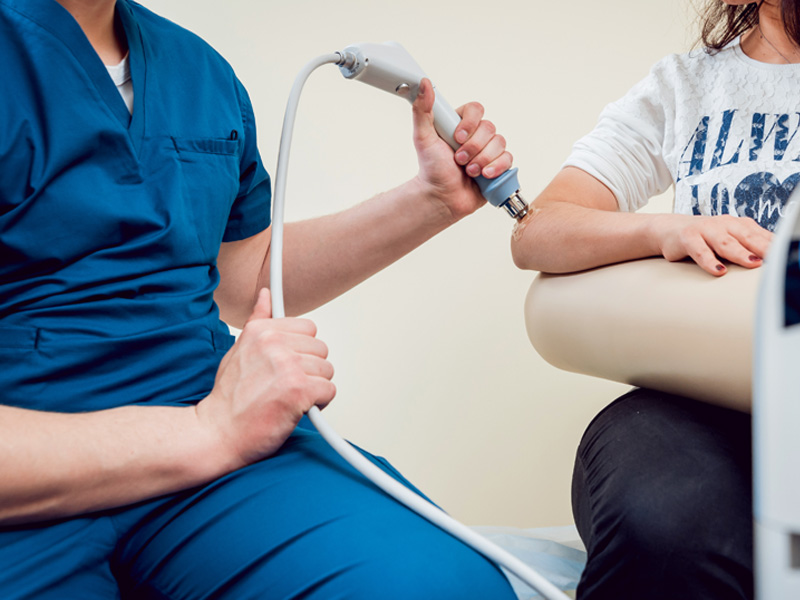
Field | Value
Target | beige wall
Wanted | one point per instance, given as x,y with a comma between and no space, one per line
434,368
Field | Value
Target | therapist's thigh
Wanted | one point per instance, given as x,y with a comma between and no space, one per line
300,524
58,560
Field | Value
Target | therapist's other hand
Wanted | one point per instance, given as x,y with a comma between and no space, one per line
274,373
708,240
447,177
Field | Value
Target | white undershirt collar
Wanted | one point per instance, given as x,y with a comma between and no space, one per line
121,76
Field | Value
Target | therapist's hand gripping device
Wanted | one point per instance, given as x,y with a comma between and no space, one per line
390,68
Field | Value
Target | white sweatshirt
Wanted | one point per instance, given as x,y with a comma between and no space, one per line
722,128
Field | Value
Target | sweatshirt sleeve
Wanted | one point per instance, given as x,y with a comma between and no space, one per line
625,149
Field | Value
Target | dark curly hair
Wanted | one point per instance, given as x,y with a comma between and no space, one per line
722,23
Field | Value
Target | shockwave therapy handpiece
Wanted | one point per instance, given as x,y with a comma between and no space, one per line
389,67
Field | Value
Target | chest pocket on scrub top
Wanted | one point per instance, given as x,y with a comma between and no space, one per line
209,171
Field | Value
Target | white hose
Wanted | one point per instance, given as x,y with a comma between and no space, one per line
389,485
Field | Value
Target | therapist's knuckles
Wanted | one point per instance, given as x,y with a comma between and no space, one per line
295,363
484,134
492,161
270,334
317,366
471,115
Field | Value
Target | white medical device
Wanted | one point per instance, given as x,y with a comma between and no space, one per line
389,67
776,414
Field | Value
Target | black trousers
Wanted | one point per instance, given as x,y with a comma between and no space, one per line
662,498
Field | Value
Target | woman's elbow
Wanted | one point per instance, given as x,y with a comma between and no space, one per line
520,257
524,249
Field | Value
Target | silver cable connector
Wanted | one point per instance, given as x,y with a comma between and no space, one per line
347,59
516,206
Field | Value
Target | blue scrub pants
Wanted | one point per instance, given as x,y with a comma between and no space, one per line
300,524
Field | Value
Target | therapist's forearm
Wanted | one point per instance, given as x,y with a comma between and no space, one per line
327,256
59,464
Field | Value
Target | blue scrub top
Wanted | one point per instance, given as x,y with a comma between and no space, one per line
110,224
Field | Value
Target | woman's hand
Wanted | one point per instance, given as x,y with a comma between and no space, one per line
275,372
445,177
708,240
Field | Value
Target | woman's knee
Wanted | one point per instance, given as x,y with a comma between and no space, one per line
661,494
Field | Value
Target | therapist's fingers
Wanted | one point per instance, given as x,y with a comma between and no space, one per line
263,307
422,114
484,153
317,367
323,390
484,134
471,116
492,160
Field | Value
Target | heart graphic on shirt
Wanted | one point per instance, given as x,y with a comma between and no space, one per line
762,196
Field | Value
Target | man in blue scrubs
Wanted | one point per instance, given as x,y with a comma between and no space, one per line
143,454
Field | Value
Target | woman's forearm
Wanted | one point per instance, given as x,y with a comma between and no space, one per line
561,237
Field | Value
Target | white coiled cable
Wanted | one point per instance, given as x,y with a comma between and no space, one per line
351,455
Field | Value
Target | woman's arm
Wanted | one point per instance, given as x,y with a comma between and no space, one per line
575,224
58,465
327,256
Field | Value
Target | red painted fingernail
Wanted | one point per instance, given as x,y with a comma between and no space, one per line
720,267
753,257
